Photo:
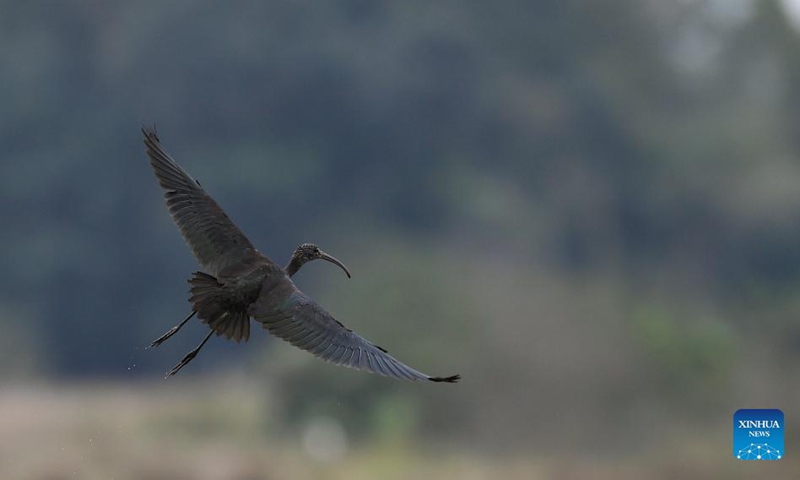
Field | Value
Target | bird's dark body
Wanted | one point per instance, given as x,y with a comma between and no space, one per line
235,293
241,283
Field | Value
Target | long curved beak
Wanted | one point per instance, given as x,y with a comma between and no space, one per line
333,260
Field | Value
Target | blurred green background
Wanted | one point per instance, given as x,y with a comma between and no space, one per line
589,209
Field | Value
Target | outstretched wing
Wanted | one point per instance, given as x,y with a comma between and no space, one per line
214,239
303,323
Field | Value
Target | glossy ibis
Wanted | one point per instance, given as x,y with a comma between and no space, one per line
302,255
240,282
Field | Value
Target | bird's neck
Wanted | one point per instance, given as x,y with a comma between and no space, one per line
293,267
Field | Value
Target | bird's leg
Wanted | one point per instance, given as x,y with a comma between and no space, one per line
172,331
189,357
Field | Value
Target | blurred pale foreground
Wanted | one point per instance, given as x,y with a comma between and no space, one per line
218,429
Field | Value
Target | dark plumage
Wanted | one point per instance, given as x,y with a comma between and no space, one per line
240,283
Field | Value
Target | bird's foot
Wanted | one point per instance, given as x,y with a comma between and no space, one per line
188,358
163,338
158,341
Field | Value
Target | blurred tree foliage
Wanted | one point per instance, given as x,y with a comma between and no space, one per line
563,200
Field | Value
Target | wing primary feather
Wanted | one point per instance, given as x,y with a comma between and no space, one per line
362,360
373,364
404,371
300,321
307,340
325,353
337,356
348,354
391,368
214,239
315,342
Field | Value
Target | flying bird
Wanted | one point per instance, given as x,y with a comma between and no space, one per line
240,283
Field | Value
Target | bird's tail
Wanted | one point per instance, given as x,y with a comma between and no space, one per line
208,299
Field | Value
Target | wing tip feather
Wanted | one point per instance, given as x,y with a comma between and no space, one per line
450,379
150,131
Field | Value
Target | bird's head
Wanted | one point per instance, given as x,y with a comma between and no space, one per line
308,252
